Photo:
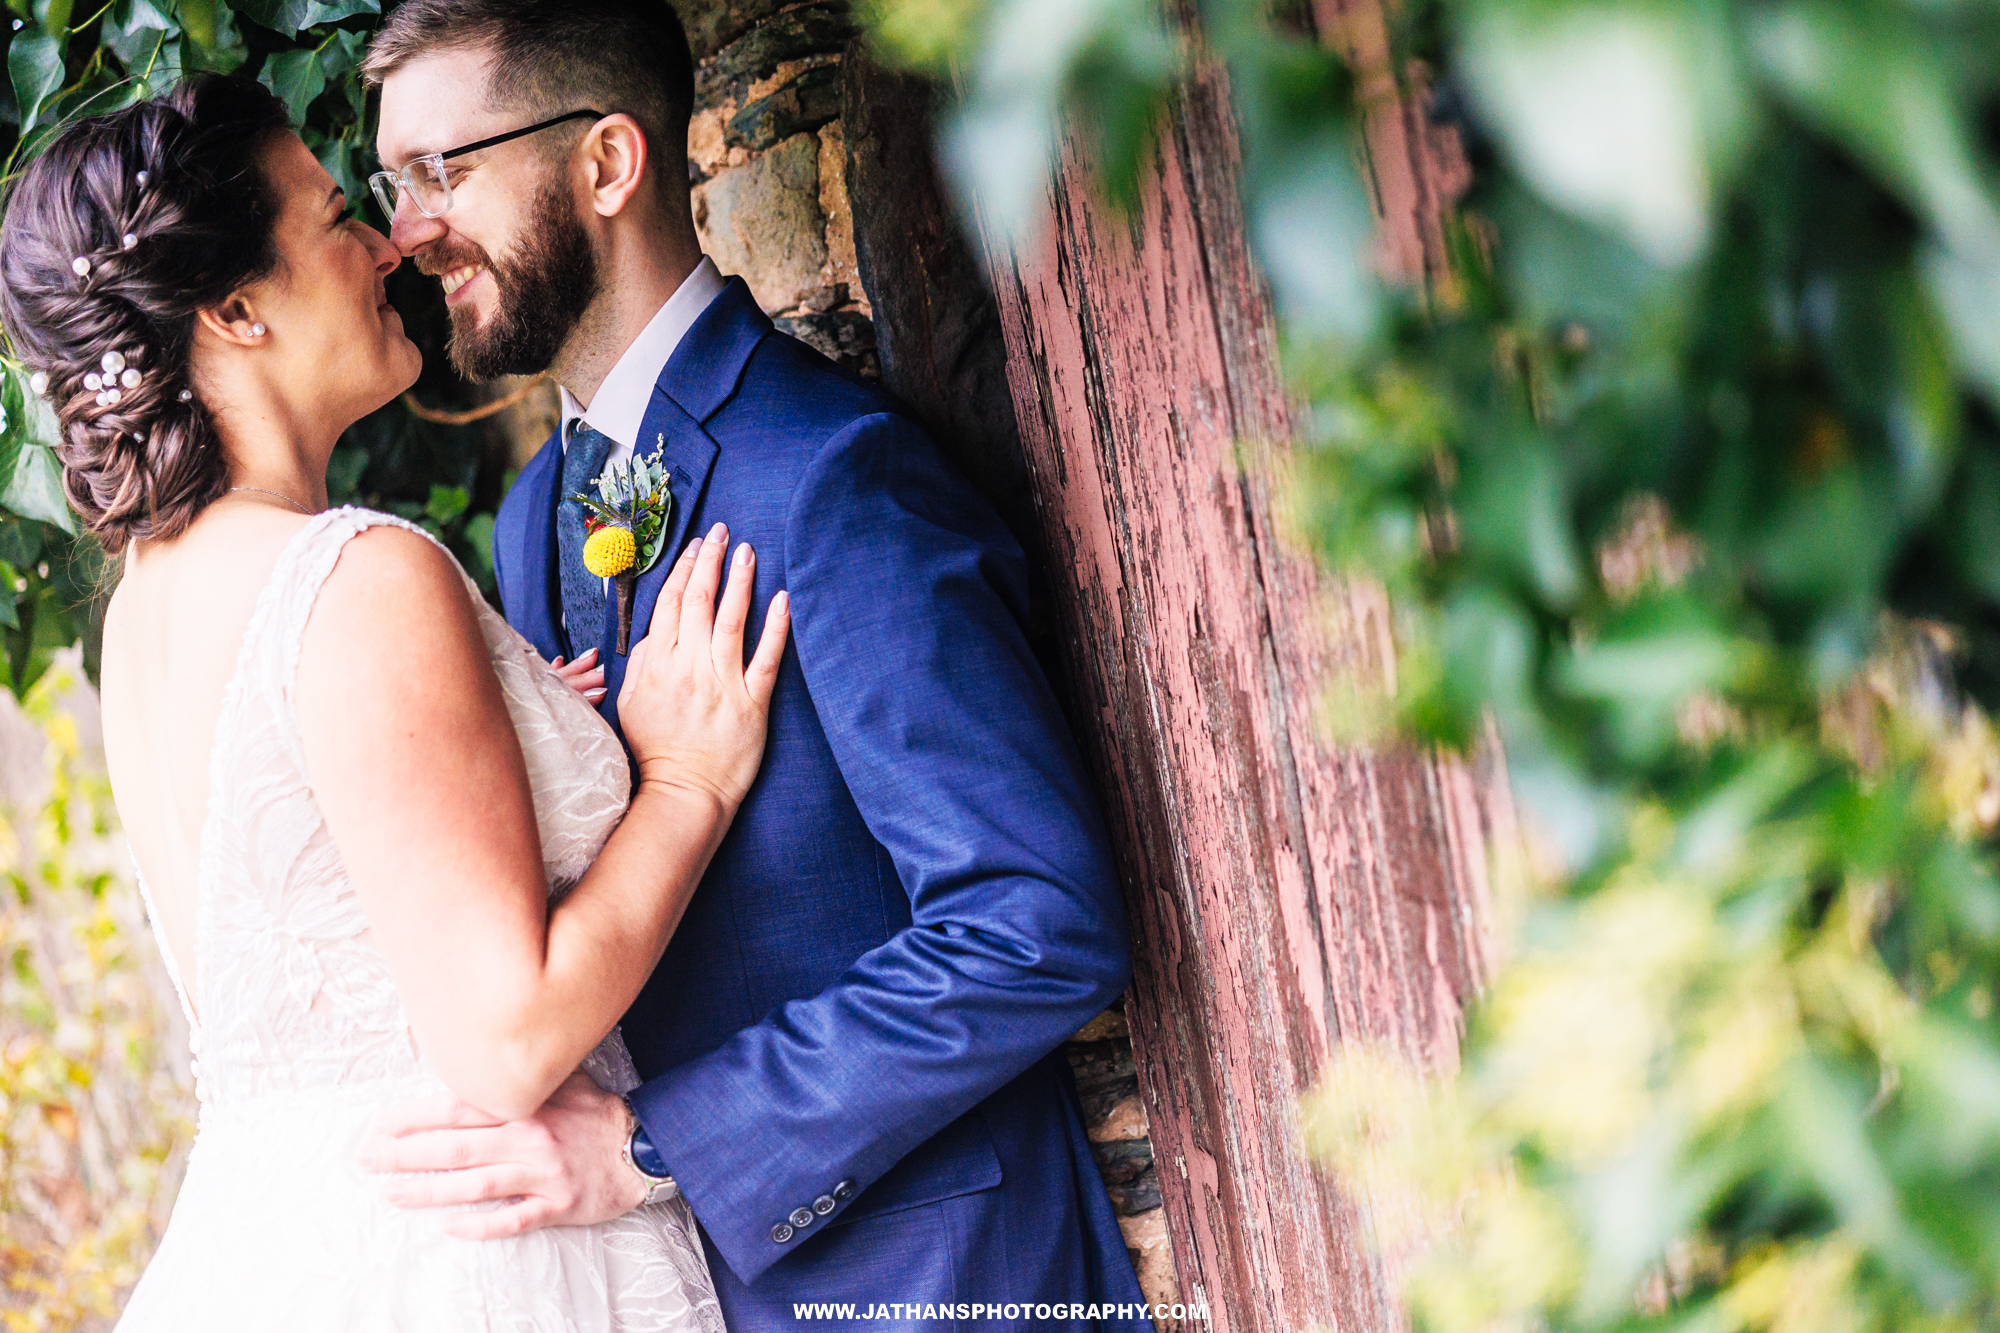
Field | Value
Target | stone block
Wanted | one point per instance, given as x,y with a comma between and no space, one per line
1152,1255
1105,1077
1107,1026
1125,1120
842,267
806,103
846,336
714,24
796,35
762,221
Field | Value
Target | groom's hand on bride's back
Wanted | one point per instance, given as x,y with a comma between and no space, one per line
563,1166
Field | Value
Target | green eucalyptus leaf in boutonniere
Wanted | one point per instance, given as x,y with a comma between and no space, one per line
627,522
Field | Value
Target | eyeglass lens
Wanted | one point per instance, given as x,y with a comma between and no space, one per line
426,182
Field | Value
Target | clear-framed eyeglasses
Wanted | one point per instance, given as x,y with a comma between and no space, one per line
428,183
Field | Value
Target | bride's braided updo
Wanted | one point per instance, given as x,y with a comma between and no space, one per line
124,227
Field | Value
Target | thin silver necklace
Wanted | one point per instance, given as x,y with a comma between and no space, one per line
276,496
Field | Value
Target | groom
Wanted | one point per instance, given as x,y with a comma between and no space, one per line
851,1044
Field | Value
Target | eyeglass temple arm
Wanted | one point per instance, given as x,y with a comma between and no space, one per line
499,139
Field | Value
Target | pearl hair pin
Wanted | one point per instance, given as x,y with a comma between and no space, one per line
113,362
130,379
144,177
130,240
39,382
93,381
186,395
80,266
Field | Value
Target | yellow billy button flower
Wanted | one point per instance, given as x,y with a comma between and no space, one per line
610,551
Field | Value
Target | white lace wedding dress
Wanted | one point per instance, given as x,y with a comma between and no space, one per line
301,1039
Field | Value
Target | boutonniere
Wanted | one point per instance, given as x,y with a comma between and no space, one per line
627,529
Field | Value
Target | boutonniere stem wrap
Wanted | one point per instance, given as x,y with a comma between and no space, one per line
625,527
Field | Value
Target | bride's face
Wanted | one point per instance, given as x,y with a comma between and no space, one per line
337,347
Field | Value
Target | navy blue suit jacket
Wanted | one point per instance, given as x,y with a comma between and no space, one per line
851,1043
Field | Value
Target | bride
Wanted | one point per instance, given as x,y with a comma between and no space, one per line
389,851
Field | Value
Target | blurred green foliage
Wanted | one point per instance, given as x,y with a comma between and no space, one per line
64,62
1687,475
96,1100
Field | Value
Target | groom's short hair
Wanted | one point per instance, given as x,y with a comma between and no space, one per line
560,55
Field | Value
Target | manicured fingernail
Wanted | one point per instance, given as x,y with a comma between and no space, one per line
741,558
693,546
718,532
782,602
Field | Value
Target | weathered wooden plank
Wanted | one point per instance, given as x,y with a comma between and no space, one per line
1285,896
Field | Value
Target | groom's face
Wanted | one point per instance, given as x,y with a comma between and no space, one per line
511,253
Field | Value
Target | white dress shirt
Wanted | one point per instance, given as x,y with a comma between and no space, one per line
618,409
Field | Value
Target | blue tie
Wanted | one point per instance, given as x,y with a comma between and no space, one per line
582,591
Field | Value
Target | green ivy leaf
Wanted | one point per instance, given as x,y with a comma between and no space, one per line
53,15
343,474
291,17
479,536
1867,76
9,595
341,58
297,78
447,502
134,30
35,65
198,20
14,432
20,541
35,488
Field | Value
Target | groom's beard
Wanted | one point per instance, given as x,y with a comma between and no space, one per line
543,288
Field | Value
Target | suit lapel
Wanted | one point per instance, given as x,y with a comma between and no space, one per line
528,586
698,379
689,455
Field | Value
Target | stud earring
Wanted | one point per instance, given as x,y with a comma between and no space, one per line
256,330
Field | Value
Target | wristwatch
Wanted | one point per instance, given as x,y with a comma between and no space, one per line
645,1160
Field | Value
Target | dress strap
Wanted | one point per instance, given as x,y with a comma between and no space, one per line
295,585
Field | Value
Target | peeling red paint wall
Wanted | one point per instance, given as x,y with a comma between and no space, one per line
1285,896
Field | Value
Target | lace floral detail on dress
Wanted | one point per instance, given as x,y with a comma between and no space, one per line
301,1039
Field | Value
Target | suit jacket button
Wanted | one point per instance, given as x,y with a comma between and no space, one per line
781,1233
824,1204
843,1190
802,1217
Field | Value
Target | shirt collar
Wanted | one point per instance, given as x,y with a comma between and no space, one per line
619,407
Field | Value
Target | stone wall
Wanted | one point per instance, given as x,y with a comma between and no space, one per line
768,162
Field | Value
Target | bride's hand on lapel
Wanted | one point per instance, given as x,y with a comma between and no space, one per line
693,713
